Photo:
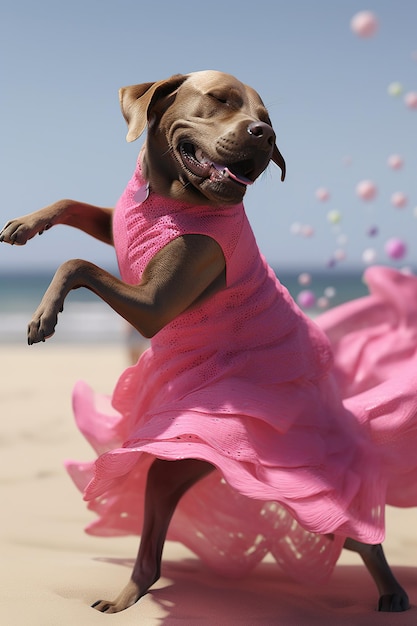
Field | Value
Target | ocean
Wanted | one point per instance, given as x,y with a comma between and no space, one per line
86,319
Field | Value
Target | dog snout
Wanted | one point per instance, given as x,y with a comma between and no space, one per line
262,131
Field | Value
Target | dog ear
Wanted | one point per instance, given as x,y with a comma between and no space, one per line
279,160
136,102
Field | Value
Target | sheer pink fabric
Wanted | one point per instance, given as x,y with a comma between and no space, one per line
245,381
374,341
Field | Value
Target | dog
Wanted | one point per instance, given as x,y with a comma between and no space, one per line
209,137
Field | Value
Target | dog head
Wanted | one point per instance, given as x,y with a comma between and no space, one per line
209,136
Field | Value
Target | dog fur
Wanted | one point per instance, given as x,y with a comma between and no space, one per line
228,124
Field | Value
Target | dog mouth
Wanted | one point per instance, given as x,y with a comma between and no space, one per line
199,164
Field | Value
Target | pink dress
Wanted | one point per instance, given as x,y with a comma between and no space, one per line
245,381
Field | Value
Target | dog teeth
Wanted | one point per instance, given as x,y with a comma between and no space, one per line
201,157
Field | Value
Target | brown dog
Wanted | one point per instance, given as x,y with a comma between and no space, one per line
209,136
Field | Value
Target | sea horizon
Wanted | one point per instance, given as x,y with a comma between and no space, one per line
87,318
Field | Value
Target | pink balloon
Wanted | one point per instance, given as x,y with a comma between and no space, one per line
307,230
410,100
366,190
306,299
395,162
322,194
322,302
395,248
364,24
304,278
399,200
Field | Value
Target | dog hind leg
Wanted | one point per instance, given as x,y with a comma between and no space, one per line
167,482
393,598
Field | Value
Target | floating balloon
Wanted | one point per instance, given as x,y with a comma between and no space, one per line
395,89
372,231
306,299
395,162
410,100
304,279
330,292
369,256
322,303
334,217
295,228
340,255
307,230
395,248
322,194
364,24
399,200
366,190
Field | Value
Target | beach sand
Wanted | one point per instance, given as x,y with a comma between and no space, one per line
51,571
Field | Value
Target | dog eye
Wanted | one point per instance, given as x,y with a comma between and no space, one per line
219,97
230,98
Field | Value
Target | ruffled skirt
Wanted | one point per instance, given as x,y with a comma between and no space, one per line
297,469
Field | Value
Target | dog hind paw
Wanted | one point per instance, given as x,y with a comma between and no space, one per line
105,606
394,602
124,600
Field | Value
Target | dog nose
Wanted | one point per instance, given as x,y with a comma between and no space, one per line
263,131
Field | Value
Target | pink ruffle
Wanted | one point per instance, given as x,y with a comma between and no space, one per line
281,486
374,340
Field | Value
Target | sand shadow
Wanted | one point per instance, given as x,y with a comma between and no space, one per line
192,594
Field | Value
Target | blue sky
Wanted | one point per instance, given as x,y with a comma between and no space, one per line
62,133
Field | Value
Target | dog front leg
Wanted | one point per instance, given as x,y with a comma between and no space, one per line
166,484
393,598
95,221
45,318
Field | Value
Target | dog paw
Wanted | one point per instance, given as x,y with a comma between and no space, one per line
105,606
42,326
19,231
394,602
128,597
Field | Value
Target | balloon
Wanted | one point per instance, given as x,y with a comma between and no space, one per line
330,292
366,190
372,231
307,230
369,256
304,279
334,217
322,303
322,194
399,200
395,89
306,299
395,248
395,162
295,228
364,24
410,100
340,255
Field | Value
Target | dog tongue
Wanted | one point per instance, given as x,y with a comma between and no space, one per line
221,171
229,174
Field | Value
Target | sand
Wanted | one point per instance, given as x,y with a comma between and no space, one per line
51,571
